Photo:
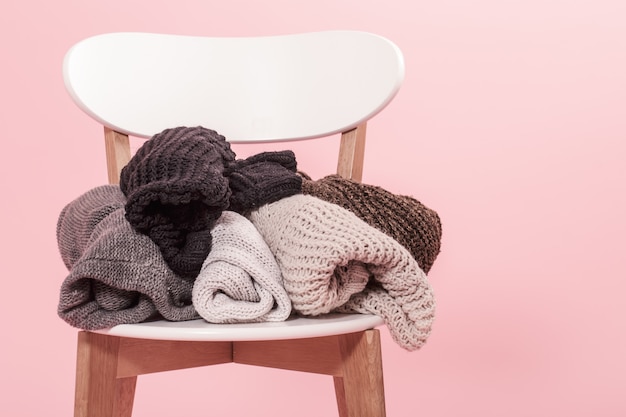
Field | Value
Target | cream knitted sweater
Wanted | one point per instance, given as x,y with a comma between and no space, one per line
240,280
333,261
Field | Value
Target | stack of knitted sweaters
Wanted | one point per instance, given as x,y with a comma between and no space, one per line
193,232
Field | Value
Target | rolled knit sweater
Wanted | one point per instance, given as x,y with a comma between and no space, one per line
116,275
240,280
333,261
407,220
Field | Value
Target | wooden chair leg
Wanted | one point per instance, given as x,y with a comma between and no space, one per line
360,389
99,392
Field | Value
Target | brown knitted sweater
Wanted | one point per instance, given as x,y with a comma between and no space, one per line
408,221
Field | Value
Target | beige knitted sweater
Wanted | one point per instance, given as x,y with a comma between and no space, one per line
333,261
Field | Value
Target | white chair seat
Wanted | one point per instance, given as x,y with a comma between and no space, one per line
293,328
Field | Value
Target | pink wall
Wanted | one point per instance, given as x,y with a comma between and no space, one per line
511,124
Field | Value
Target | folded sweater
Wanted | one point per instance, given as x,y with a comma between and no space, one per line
333,261
240,280
116,275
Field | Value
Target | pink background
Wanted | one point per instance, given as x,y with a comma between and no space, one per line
511,124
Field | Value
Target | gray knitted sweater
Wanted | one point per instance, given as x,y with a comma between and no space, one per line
116,275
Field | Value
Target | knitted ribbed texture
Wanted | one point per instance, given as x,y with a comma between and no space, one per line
240,280
333,261
176,191
263,178
413,225
116,275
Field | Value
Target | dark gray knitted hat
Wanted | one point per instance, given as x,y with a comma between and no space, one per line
117,275
409,222
176,191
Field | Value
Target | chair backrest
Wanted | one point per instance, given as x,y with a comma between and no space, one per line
249,89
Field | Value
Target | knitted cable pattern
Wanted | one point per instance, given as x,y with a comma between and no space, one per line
240,280
176,191
333,261
116,275
408,221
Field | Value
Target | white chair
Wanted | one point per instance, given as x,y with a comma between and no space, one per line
249,89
